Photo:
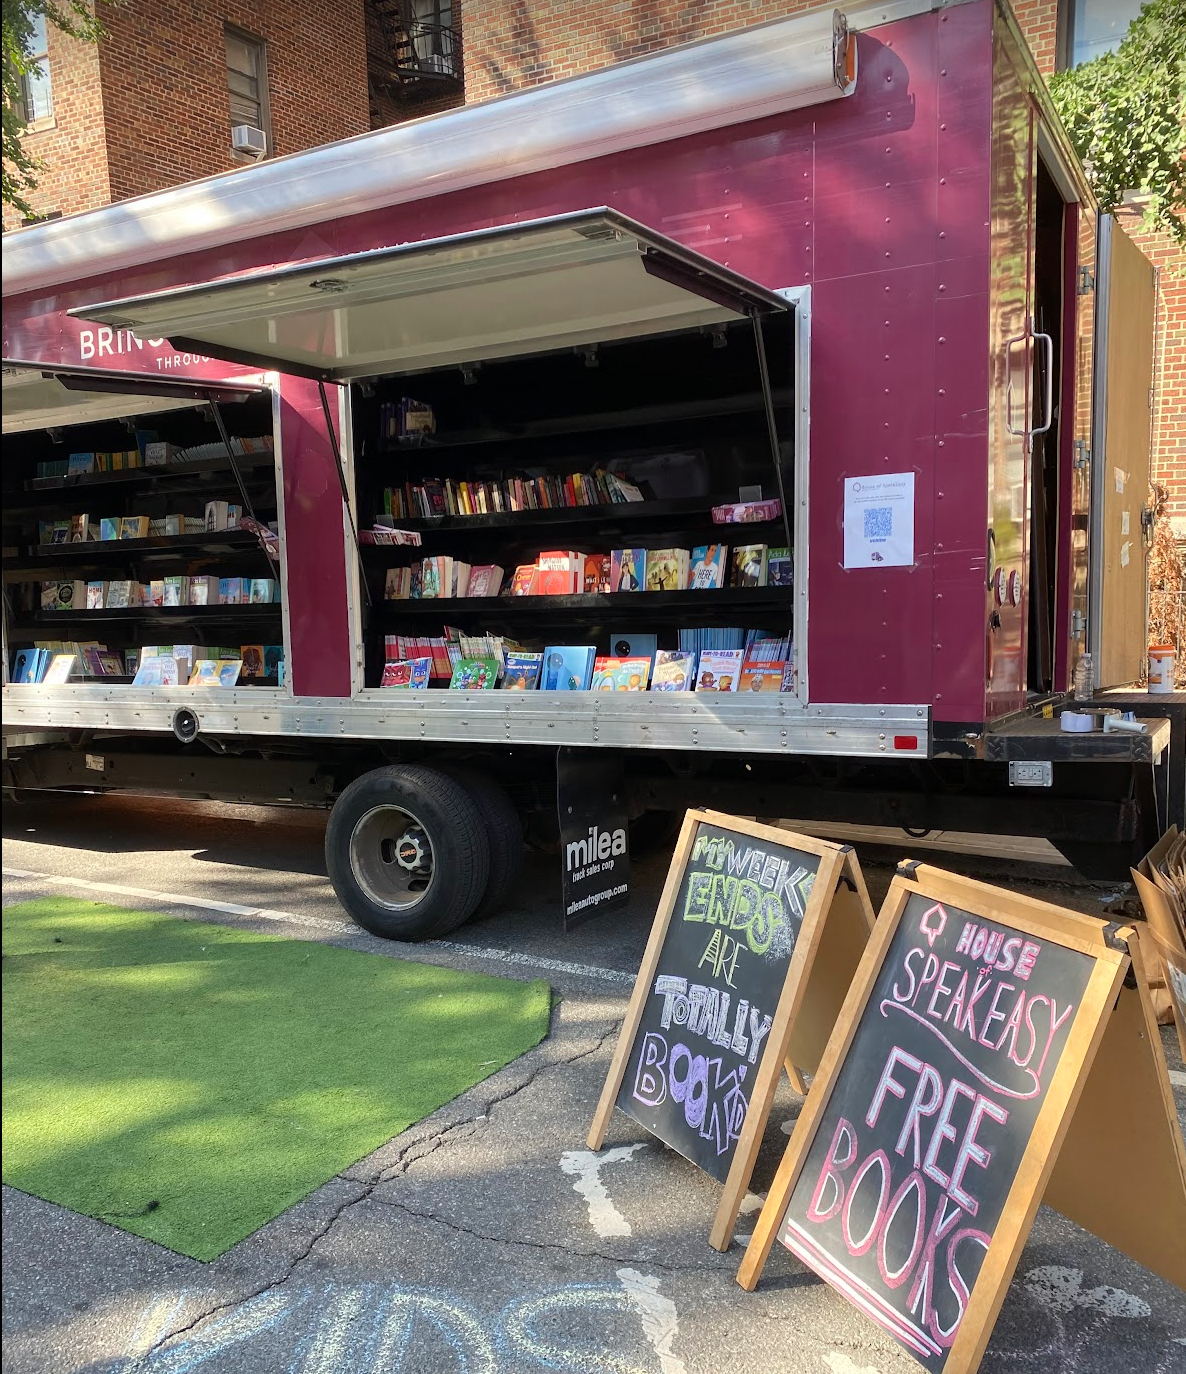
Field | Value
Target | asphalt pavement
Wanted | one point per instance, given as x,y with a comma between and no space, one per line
486,1238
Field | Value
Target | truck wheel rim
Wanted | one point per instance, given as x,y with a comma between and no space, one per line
391,858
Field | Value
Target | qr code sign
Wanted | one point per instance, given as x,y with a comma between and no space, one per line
879,522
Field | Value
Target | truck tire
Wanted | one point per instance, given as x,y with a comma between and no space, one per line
407,853
504,837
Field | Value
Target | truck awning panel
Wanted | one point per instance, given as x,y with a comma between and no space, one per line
42,396
547,284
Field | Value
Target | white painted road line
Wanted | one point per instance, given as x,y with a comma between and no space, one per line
256,913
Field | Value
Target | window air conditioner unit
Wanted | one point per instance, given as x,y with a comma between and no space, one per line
246,138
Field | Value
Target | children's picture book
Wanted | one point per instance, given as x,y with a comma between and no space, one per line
749,565
230,591
199,591
157,593
109,528
436,576
620,674
397,584
412,673
174,590
597,573
521,672
228,671
568,668
762,677
525,580
627,568
561,573
22,662
133,527
263,590
484,580
80,463
674,671
71,596
708,566
60,668
49,596
213,672
474,675
96,593
780,568
80,529
719,670
119,594
158,671
104,663
667,570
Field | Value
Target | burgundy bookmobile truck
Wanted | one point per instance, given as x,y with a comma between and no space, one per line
847,258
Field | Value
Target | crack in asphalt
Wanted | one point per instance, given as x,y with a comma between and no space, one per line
365,1188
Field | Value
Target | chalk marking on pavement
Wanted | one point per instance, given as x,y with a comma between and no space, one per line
660,1321
1059,1289
336,1333
840,1363
584,1168
345,928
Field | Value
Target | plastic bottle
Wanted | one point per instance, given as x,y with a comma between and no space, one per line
1084,684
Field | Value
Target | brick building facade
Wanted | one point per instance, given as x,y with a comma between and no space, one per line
149,106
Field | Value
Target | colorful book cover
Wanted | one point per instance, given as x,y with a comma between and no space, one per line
719,670
133,527
109,529
484,580
263,589
119,594
156,596
49,596
22,664
79,463
525,580
674,671
621,674
597,573
474,675
252,656
228,671
412,673
95,595
568,668
71,596
762,677
749,565
780,568
158,671
667,570
174,591
521,672
230,591
708,566
60,668
627,568
559,573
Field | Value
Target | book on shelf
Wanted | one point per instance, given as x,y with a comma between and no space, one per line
627,569
525,580
597,573
568,668
109,528
674,671
708,566
629,644
436,577
252,656
274,662
762,676
719,670
157,670
262,591
215,672
485,579
157,592
780,568
230,591
174,591
667,570
60,668
202,591
80,529
561,573
79,463
174,525
103,663
158,452
96,595
412,673
119,594
474,675
397,584
749,565
459,578
620,674
133,527
507,494
746,512
521,672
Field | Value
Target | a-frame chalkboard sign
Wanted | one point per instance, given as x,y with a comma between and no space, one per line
994,1053
757,937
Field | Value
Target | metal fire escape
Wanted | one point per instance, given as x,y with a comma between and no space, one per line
413,49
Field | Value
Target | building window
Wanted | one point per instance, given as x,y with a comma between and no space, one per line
433,38
36,91
247,81
1093,27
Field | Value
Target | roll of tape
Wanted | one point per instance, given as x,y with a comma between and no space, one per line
1077,722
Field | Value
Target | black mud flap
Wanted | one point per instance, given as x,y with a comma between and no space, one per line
594,834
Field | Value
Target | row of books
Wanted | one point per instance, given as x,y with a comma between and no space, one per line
149,452
83,529
448,496
442,577
123,593
89,659
768,667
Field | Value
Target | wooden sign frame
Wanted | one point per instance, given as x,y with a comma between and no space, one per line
1080,1137
837,920
1173,964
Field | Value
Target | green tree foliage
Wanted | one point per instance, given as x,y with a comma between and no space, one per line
71,16
1126,114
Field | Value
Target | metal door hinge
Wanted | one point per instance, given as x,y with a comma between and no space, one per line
1082,457
1086,281
1078,623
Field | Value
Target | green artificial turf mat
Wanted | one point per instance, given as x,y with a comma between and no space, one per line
219,1074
